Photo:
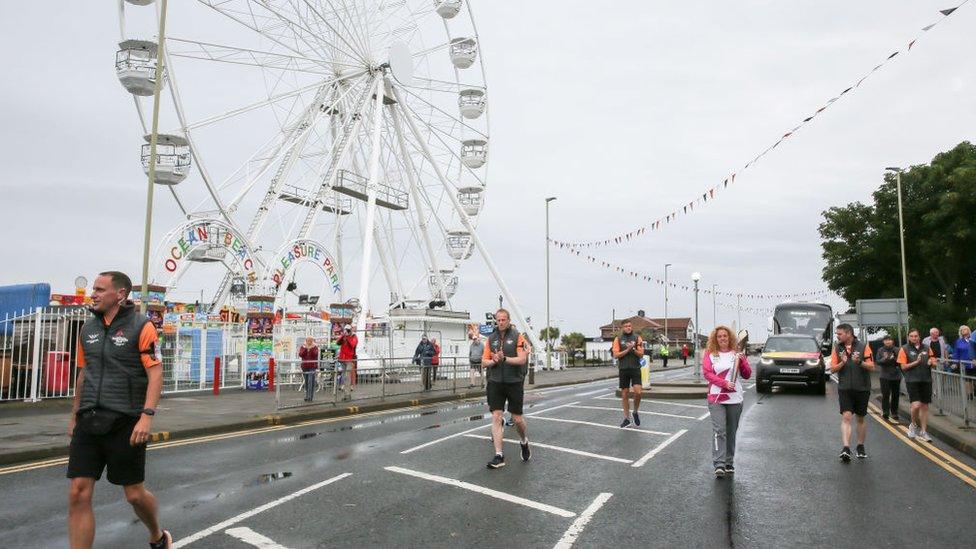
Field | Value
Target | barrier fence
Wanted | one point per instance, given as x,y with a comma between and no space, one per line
953,385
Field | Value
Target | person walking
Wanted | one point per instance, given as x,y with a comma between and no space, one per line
435,360
724,368
423,356
117,388
628,348
965,354
942,352
916,362
348,342
684,354
890,378
665,352
853,363
309,354
505,359
475,352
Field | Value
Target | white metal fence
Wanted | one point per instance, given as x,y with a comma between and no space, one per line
953,390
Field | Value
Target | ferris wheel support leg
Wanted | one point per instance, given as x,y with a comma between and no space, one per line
374,165
452,193
418,207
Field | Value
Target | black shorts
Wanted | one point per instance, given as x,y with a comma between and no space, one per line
90,454
854,401
919,391
499,393
630,377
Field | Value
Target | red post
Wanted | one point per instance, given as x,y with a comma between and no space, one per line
271,373
216,376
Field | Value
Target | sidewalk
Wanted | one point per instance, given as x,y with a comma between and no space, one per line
29,432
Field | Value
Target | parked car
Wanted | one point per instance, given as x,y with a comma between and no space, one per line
793,359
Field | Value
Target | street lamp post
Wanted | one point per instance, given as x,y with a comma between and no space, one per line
695,277
714,316
901,236
666,265
548,324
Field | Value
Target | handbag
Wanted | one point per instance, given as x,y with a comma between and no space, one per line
98,421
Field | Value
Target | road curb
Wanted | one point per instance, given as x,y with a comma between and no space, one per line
287,418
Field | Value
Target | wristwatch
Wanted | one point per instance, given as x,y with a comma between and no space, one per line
149,411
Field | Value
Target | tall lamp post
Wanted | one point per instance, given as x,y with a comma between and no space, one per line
695,277
548,325
901,237
666,265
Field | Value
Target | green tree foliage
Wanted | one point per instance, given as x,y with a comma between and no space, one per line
549,334
861,246
574,340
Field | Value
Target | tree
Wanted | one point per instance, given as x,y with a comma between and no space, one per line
861,246
573,341
549,335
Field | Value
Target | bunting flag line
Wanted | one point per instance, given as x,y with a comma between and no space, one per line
708,291
709,194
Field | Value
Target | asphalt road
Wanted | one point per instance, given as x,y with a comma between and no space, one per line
417,478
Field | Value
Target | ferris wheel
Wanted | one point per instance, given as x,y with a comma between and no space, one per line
349,135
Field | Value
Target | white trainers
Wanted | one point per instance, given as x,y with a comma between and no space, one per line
912,431
924,436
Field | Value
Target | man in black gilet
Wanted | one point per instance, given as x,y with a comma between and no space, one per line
851,360
628,348
505,359
118,386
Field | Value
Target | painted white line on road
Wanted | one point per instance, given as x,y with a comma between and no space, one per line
704,416
604,425
647,457
248,514
576,528
485,491
750,386
647,400
442,439
640,411
588,393
251,537
537,412
562,449
544,392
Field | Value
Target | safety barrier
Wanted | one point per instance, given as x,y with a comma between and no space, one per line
337,382
953,390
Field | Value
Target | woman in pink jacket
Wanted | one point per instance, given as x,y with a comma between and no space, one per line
724,368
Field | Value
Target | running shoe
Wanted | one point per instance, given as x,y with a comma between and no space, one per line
719,472
509,422
845,455
894,420
624,423
729,469
912,431
636,419
924,436
884,417
164,542
526,452
497,462
861,454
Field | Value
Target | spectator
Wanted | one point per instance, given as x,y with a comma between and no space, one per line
347,354
423,357
436,359
684,354
475,352
965,354
937,344
309,354
665,352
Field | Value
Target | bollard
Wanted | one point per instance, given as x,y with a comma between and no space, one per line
216,376
271,374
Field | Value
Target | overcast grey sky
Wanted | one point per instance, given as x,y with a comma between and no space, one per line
623,110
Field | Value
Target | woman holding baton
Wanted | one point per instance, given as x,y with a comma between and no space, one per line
724,366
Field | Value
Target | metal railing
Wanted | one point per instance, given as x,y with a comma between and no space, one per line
338,382
953,385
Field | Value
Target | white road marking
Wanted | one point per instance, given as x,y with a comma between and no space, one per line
485,491
588,393
562,449
537,412
442,439
248,514
604,425
750,386
576,528
544,392
647,457
639,411
704,416
251,537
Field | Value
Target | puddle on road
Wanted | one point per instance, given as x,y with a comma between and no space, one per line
305,436
345,454
268,478
200,501
460,420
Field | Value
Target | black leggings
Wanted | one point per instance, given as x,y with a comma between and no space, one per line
889,396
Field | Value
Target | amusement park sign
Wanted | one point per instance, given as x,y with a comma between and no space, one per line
309,251
212,236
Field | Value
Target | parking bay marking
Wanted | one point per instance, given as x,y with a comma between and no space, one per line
251,537
561,449
647,457
576,528
640,411
612,396
646,432
248,514
485,491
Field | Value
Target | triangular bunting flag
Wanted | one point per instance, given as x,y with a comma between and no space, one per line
948,11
